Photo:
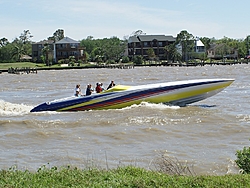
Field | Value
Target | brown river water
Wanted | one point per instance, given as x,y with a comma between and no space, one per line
205,134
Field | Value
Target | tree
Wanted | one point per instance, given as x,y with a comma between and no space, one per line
151,53
89,44
57,35
25,37
137,33
186,40
113,48
5,50
97,54
247,43
104,49
3,42
17,52
172,53
243,160
45,51
6,53
22,45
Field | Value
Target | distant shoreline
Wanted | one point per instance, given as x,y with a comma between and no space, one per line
124,66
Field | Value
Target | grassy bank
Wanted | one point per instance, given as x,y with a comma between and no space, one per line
121,177
39,66
6,66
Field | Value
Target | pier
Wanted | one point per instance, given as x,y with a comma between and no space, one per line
23,70
192,64
118,66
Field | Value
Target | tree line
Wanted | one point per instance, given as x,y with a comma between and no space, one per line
109,50
112,49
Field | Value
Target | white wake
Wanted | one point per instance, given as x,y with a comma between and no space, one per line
159,106
11,109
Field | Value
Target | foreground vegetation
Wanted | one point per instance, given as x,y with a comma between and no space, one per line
167,172
121,177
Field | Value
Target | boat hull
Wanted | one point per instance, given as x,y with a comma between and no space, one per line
178,93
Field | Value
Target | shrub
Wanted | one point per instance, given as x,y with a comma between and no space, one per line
61,61
125,59
138,60
243,160
110,61
172,166
79,62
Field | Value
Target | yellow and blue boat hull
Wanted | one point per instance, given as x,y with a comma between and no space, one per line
178,93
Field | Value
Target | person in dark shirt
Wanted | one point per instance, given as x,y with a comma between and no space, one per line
112,84
89,89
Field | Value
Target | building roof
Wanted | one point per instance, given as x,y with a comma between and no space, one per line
199,43
215,46
27,57
150,38
67,40
45,42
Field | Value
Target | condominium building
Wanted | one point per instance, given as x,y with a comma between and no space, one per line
139,45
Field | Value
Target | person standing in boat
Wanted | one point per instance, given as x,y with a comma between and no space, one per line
112,84
89,89
78,92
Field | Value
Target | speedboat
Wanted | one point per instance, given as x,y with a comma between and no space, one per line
178,93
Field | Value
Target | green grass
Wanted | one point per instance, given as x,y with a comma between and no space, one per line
121,177
6,66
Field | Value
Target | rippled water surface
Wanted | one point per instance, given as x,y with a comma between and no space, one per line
206,134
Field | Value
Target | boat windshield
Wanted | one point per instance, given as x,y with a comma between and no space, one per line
117,88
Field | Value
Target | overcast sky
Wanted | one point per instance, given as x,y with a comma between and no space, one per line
108,18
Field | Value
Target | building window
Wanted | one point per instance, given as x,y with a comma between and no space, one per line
73,45
137,52
138,45
161,51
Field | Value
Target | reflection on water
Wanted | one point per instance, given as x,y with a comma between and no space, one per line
206,133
